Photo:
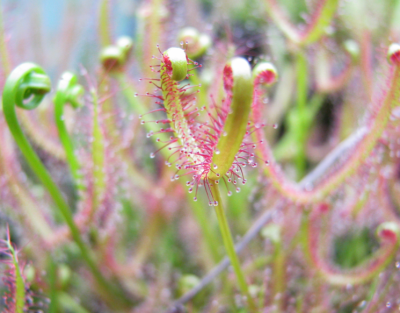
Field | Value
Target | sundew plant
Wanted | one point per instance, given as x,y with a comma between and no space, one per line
167,156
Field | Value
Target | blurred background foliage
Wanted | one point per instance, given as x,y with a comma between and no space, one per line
149,237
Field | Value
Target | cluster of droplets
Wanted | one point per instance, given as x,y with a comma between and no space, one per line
194,143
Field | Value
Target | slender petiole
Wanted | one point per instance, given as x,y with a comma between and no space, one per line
68,91
230,247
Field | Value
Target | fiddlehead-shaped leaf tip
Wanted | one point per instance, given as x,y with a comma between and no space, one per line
196,44
114,57
68,91
265,73
240,69
69,88
388,231
189,35
176,63
25,87
394,54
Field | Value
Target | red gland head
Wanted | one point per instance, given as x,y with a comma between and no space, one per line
324,207
175,61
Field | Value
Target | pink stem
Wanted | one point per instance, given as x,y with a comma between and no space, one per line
369,135
359,275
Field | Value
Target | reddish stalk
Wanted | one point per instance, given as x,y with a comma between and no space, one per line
374,128
387,232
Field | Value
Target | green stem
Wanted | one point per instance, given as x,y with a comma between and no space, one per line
230,247
67,91
315,104
26,81
33,216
